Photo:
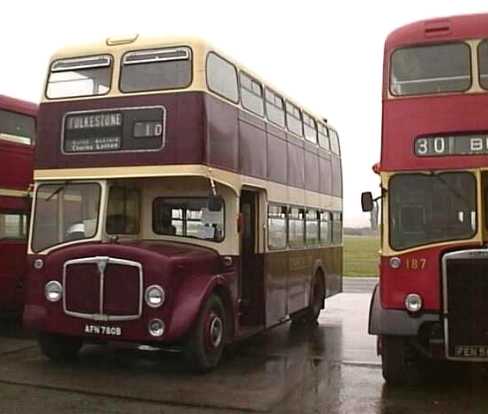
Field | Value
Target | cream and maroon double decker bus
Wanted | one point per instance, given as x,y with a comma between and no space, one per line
179,200
17,134
431,300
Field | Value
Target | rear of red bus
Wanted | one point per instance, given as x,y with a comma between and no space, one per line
17,132
430,303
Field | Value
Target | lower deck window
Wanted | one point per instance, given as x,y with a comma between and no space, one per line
13,226
123,210
188,217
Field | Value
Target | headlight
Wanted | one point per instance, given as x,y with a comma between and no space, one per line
154,296
53,291
413,302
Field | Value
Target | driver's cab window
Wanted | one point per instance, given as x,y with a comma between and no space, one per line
123,210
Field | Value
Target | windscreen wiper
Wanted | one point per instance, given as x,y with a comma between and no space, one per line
57,191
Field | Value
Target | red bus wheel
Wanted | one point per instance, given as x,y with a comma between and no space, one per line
204,348
59,348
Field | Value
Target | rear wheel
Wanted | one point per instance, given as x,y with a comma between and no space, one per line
317,297
59,347
203,350
399,361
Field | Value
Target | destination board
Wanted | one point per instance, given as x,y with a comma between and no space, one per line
435,146
125,129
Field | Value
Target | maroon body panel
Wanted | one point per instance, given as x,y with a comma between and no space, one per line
186,272
200,129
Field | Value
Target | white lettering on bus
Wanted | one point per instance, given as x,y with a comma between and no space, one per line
94,121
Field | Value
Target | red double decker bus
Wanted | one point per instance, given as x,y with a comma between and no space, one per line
179,200
431,300
17,134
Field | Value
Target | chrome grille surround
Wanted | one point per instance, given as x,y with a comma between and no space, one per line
102,262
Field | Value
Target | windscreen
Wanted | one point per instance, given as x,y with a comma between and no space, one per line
77,77
430,69
64,213
150,70
431,208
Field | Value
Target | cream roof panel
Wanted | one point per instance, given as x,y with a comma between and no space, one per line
199,46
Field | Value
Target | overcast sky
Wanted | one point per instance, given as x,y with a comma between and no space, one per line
327,55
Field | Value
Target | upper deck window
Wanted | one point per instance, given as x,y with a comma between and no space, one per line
294,119
323,136
88,76
275,108
251,94
430,69
222,77
310,128
334,142
21,127
483,63
151,70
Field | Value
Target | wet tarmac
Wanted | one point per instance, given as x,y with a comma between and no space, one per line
329,368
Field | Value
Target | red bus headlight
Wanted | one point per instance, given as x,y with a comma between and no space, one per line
413,302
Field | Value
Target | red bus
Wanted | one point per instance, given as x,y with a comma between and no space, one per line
17,135
430,303
179,200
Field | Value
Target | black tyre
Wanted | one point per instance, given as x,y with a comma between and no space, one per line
317,297
59,348
204,347
399,361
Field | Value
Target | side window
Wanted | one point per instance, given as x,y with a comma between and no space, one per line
334,142
222,77
13,226
337,228
123,211
18,126
296,227
276,227
323,136
325,228
310,128
294,119
251,94
312,227
275,108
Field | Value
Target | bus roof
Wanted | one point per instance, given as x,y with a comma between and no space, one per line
471,26
17,105
119,45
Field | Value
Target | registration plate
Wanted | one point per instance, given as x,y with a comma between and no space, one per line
103,330
471,351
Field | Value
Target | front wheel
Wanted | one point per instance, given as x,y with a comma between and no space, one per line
399,361
59,348
203,350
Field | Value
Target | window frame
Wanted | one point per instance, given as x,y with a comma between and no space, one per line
260,84
111,77
289,114
478,59
314,127
266,103
285,245
236,71
127,189
23,223
417,45
122,64
153,222
301,212
432,242
18,138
